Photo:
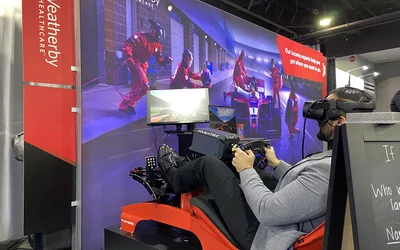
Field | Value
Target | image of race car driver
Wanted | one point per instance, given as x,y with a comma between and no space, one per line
183,74
206,77
138,49
238,72
276,84
249,90
292,112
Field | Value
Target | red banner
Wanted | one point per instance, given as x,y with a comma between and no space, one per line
301,61
48,41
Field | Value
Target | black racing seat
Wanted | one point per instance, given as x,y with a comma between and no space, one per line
209,207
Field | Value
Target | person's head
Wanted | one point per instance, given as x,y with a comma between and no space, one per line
187,58
340,95
272,63
242,54
155,31
204,65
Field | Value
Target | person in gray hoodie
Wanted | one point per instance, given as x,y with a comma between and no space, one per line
395,102
258,217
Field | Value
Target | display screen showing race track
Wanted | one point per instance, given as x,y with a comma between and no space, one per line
223,118
177,106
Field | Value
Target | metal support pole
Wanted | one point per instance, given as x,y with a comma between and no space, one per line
77,219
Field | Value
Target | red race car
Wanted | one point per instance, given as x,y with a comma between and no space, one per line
254,110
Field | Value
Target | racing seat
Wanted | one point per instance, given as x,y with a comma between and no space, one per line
196,214
199,215
209,208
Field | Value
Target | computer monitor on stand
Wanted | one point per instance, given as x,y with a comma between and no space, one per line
178,107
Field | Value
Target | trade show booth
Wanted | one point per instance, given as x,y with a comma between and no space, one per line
113,80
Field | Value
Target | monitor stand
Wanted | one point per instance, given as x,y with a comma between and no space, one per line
189,129
185,137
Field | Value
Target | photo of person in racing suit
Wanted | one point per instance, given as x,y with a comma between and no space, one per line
238,72
276,84
292,112
206,77
183,73
138,49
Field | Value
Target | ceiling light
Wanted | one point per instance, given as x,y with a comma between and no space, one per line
205,36
365,67
169,7
325,22
376,74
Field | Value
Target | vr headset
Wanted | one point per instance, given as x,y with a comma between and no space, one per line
324,110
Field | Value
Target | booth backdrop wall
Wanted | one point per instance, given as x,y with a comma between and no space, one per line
115,142
347,79
11,117
354,61
387,84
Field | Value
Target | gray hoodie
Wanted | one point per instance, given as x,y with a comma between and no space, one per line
395,102
297,206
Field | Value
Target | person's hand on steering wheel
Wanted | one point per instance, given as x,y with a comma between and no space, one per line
243,159
270,155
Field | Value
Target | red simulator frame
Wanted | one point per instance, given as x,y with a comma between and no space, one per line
187,217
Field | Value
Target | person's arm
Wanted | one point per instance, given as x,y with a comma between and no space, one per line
302,200
194,76
131,43
161,60
281,169
395,103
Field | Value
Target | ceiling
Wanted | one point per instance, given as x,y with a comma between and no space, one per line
299,19
382,56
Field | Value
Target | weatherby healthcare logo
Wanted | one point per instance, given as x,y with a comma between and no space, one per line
48,41
150,3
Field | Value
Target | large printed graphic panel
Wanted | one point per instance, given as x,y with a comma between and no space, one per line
131,46
48,41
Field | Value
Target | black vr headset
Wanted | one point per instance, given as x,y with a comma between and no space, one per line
325,110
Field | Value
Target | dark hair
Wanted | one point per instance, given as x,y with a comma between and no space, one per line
350,94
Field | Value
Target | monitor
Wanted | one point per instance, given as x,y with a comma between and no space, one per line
177,106
223,118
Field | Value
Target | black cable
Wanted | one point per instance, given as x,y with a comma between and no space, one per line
16,243
165,140
155,139
304,129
